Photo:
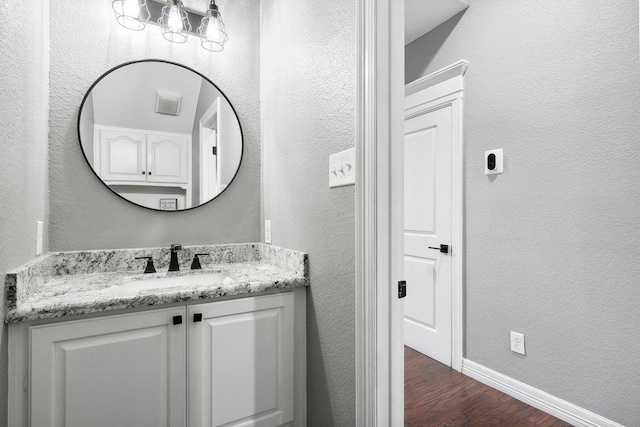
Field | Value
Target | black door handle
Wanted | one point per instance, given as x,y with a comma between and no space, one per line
197,317
443,248
177,320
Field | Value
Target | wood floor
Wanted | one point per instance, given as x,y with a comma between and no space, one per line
436,395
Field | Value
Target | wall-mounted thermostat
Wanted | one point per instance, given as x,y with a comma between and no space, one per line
493,162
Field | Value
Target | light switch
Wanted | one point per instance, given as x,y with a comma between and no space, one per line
342,168
493,162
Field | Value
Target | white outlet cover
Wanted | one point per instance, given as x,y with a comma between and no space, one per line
517,342
39,237
342,168
267,231
499,162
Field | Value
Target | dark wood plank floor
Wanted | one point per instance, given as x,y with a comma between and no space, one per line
436,395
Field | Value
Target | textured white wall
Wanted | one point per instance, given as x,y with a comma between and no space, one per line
307,78
23,144
552,245
86,41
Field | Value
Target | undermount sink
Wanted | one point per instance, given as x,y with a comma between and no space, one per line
143,283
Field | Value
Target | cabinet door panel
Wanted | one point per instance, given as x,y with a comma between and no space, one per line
241,362
123,156
168,158
121,370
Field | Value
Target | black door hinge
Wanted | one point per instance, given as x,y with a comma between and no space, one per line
214,151
402,289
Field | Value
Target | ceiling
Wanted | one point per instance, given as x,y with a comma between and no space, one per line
422,16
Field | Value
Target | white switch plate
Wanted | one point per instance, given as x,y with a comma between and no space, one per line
517,342
267,231
39,237
342,168
499,162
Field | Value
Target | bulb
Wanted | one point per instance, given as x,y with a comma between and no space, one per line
131,8
175,20
213,31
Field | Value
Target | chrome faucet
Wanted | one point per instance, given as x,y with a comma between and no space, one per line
174,265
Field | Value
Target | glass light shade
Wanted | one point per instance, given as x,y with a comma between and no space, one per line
211,30
174,22
131,14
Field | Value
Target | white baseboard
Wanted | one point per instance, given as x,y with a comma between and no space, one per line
559,408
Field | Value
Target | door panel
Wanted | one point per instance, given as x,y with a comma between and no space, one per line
427,216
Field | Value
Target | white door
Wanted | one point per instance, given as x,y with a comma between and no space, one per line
241,362
168,158
208,164
427,225
127,370
122,156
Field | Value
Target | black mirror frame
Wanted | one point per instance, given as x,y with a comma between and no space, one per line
186,68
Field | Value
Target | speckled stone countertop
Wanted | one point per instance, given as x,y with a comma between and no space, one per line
68,283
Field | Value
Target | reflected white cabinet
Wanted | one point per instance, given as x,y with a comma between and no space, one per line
122,156
129,156
231,363
167,158
241,362
123,370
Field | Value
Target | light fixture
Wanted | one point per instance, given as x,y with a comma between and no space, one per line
131,14
212,29
174,22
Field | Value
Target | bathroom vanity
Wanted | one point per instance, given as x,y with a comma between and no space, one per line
95,341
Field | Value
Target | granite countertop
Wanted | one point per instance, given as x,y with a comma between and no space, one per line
69,283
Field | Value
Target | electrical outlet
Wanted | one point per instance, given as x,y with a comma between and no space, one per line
517,342
342,168
267,231
39,237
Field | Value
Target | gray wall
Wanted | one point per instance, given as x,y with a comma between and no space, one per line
552,244
85,42
307,78
23,141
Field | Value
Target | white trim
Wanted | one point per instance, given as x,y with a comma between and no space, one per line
380,94
537,398
366,245
447,73
448,93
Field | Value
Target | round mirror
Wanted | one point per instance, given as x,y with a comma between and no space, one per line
160,135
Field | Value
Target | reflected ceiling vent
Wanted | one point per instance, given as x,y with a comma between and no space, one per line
168,104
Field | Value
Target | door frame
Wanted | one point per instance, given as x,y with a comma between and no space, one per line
440,89
379,200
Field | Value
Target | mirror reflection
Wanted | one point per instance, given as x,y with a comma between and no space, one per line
160,135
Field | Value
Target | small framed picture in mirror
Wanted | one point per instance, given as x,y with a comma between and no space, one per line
168,204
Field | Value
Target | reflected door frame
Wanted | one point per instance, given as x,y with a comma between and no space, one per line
209,137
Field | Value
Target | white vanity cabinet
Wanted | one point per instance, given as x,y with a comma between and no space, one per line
237,362
130,156
241,360
122,370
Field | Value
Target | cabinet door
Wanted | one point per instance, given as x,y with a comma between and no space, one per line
126,370
122,156
168,158
241,362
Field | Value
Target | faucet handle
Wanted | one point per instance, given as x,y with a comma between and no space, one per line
150,268
195,265
176,247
